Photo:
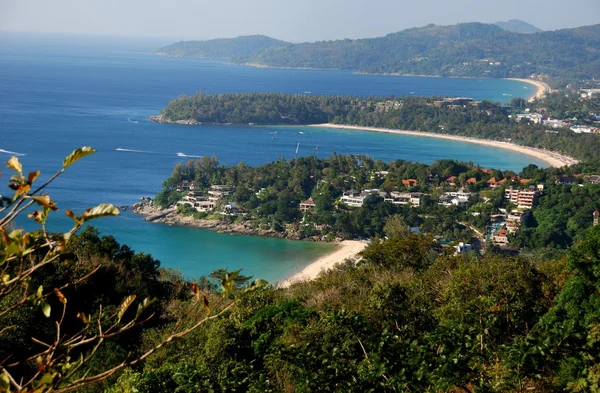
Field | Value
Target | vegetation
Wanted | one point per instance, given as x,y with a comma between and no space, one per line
224,48
485,120
269,196
468,50
69,310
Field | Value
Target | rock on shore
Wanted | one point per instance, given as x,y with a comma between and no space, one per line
170,216
161,119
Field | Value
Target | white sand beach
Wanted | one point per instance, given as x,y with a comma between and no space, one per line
551,158
346,249
542,88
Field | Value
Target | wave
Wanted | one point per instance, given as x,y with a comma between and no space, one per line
188,155
132,150
133,121
11,152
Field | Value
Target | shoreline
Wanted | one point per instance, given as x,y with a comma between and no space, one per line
542,88
347,249
553,159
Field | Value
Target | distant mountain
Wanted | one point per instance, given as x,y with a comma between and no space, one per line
518,26
222,48
463,50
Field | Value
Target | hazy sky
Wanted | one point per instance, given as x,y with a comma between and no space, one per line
292,20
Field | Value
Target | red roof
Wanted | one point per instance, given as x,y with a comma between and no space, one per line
492,181
308,202
451,179
472,180
488,171
410,182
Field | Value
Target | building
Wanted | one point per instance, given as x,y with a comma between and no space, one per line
493,183
307,205
514,220
405,198
186,185
455,198
554,123
524,199
566,180
462,248
451,181
596,217
594,179
535,118
356,199
410,183
500,238
471,181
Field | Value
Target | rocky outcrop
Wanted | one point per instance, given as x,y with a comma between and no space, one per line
161,119
170,216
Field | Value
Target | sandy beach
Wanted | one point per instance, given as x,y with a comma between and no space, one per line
542,88
346,249
551,158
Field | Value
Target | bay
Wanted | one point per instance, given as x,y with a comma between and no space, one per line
55,97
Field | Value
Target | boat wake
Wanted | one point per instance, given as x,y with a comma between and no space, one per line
188,155
132,150
133,121
12,152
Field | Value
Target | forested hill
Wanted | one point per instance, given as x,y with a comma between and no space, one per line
223,48
518,26
469,49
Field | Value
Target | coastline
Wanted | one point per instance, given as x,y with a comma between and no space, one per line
542,88
347,249
551,158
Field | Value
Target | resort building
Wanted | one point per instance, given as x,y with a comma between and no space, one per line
524,199
455,198
354,198
566,180
594,179
514,220
405,198
462,248
493,183
307,205
500,238
186,185
451,181
410,183
471,181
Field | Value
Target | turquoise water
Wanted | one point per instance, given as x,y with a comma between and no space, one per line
54,98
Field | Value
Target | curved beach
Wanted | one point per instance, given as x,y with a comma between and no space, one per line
551,158
347,249
542,88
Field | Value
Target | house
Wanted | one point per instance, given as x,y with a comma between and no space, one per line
186,185
405,198
493,183
566,180
500,237
455,198
356,199
232,209
307,205
451,181
471,181
594,179
410,183
554,123
514,220
462,248
524,199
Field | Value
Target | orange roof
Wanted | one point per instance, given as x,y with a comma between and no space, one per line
502,181
309,201
524,181
472,180
492,181
410,182
502,231
451,179
488,171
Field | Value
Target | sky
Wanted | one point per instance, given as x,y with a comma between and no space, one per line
290,20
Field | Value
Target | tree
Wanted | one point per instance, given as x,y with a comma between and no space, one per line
60,361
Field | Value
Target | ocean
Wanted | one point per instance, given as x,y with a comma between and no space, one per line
56,95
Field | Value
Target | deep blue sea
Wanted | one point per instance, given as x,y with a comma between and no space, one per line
56,95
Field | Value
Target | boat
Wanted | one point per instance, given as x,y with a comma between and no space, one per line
297,147
180,154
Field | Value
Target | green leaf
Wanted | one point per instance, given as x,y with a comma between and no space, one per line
257,284
4,382
77,155
46,309
15,165
144,305
125,305
102,210
40,291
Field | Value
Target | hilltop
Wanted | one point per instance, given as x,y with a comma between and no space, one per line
462,50
518,26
